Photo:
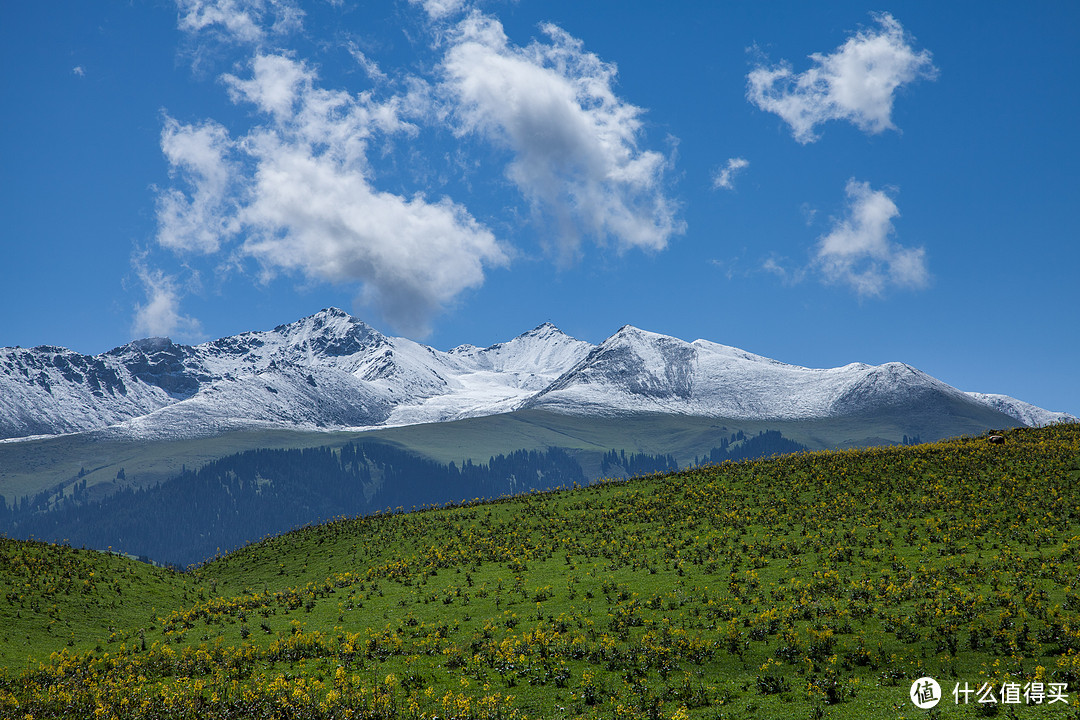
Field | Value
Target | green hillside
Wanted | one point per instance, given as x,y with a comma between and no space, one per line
56,464
28,467
811,585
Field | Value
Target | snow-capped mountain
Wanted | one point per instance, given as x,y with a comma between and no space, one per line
639,371
50,390
496,379
1026,413
331,370
326,370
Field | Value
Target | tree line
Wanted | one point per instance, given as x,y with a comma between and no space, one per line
235,500
241,498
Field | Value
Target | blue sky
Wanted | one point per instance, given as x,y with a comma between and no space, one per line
820,185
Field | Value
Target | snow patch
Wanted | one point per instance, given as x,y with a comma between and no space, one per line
333,371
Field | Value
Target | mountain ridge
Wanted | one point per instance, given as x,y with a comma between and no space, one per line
331,370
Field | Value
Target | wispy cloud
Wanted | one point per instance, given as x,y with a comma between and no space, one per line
724,178
789,273
857,82
160,315
369,66
575,143
859,251
202,220
78,70
239,21
441,9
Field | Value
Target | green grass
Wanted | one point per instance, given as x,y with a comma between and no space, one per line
57,597
814,585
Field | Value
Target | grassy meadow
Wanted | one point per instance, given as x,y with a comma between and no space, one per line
804,586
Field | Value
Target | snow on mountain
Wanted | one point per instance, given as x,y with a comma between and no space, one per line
1026,413
639,371
541,354
281,396
395,369
50,390
495,379
331,370
326,370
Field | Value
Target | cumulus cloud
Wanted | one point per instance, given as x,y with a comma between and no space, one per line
242,21
857,82
296,192
859,252
725,176
574,142
160,315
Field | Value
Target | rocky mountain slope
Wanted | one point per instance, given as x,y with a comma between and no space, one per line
331,370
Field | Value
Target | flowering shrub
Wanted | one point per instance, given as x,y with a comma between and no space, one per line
776,587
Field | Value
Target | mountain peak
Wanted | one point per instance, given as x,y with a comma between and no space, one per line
330,320
151,347
330,368
331,332
152,344
544,330
332,312
634,331
629,335
331,316
540,354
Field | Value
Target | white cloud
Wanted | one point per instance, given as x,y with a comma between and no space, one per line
857,82
574,142
313,214
297,191
771,265
276,83
242,21
79,70
160,316
440,9
198,222
724,177
787,272
370,66
858,250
